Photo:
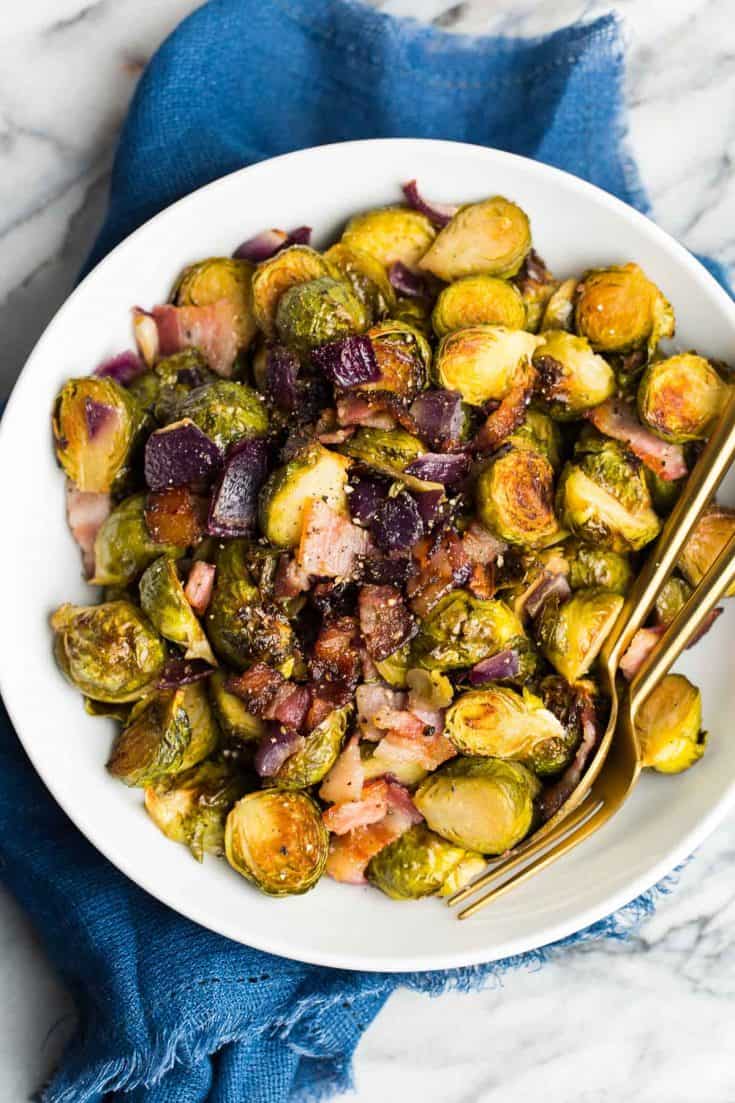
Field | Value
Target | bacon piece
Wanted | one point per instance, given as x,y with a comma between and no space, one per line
346,778
175,516
415,738
441,564
349,854
291,579
330,544
480,546
369,808
212,329
355,410
385,621
325,698
370,699
199,586
86,511
337,436
616,419
511,412
482,581
638,650
554,796
257,686
336,652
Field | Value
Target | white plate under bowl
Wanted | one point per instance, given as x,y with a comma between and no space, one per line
575,226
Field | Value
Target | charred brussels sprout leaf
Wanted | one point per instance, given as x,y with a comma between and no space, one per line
169,381
488,238
124,547
572,378
415,312
209,281
478,300
571,635
481,804
389,451
414,865
163,600
165,733
289,267
366,276
668,725
618,309
314,472
226,411
679,398
481,361
590,565
390,234
539,433
394,669
310,314
709,536
403,356
461,630
674,595
515,499
95,425
313,761
278,841
191,808
232,715
559,310
110,651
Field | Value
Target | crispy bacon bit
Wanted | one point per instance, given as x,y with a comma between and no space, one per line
336,652
481,546
482,581
337,436
211,329
511,412
638,650
86,511
415,736
175,516
554,796
616,419
325,698
257,687
330,544
385,621
199,586
369,808
440,565
533,276
355,410
346,778
291,580
349,854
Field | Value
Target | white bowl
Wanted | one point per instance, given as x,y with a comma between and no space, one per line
575,226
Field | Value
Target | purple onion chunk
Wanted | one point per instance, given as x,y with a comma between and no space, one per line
432,506
506,664
234,504
397,525
274,748
447,468
267,243
366,496
123,368
439,418
348,362
438,213
383,571
549,586
182,672
406,282
96,416
300,236
281,372
180,455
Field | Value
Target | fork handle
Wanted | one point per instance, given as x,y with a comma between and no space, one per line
702,483
685,625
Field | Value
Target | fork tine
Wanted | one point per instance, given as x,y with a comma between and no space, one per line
523,855
602,813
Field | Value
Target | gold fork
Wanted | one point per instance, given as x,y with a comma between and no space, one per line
600,793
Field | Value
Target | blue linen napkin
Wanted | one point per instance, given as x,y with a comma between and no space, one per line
169,1012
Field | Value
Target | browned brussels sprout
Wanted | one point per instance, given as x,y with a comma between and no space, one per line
313,761
669,726
166,384
415,312
540,433
707,539
461,630
572,378
559,310
536,285
674,595
618,309
124,547
481,362
366,276
314,472
209,281
271,279
390,234
389,451
163,599
404,358
515,499
231,713
277,840
191,808
679,398
478,300
490,238
226,411
310,314
95,423
589,565
415,864
570,635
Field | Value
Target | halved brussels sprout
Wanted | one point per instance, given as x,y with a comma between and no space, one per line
160,389
389,451
461,630
572,378
242,627
540,433
231,712
679,398
271,279
110,651
706,540
123,547
668,725
415,312
603,497
431,687
163,599
277,840
664,492
404,359
471,866
314,472
390,234
589,565
478,300
312,762
191,808
108,710
394,669
491,238
571,635
166,733
366,276
515,498
481,804
559,310
481,361
95,423
619,308
672,598
226,411
415,864
379,759
498,722
310,314
209,281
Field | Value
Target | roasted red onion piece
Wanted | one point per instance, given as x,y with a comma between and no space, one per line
397,523
438,213
181,672
549,585
123,368
555,795
347,362
440,467
275,748
439,418
180,455
281,372
269,242
366,496
234,502
506,664
406,282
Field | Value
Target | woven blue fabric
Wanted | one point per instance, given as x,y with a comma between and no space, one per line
170,1013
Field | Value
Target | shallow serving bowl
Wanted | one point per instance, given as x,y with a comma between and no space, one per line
575,226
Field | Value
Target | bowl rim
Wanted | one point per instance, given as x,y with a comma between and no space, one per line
553,932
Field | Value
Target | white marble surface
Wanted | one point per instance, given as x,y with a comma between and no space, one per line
652,1021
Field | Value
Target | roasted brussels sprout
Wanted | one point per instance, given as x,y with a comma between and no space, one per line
394,669
481,804
478,300
515,498
278,841
668,725
123,547
603,498
166,733
481,361
570,635
232,715
389,451
312,762
191,808
488,238
110,651
404,359
164,602
461,630
366,276
415,864
500,723
589,565
314,472
226,411
430,686
618,309
664,492
672,598
559,310
679,398
209,281
539,433
415,312
390,234
572,378
536,285
95,423
310,314
707,539
271,279
471,866
160,389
